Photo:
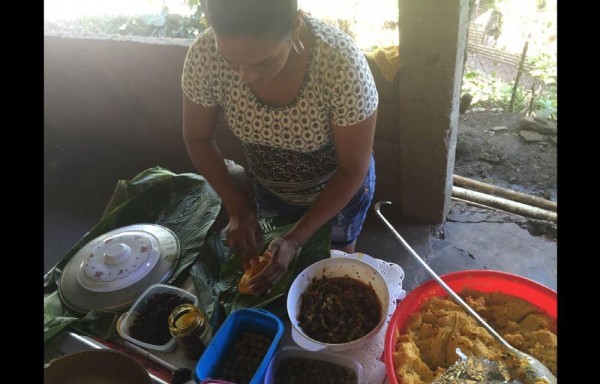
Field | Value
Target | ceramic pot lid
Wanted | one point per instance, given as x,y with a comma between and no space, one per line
118,261
112,270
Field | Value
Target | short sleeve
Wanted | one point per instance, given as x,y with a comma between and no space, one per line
197,76
352,89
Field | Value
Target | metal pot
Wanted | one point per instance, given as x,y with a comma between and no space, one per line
96,366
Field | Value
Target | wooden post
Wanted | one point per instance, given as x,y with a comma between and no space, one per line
518,78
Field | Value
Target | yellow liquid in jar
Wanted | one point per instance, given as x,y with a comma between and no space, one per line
185,320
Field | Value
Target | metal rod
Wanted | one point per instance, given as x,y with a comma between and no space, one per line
534,369
439,280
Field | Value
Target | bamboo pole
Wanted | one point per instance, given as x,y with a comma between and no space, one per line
476,204
504,204
493,190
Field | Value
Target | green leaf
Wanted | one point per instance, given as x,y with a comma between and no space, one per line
216,273
54,320
471,75
97,323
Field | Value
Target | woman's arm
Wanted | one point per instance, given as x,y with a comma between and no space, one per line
243,233
353,146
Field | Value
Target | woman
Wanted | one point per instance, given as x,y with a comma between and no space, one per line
301,98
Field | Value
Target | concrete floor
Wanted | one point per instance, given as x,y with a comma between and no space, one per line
471,238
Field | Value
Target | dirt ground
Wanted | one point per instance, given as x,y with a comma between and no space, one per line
503,158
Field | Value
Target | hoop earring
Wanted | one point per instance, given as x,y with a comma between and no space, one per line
298,46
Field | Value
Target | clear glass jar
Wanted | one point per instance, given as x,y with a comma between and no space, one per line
188,324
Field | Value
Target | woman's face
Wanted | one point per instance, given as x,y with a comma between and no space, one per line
255,59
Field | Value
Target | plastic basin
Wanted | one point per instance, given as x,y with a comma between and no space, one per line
481,280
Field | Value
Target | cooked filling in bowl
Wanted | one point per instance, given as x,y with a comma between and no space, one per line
338,309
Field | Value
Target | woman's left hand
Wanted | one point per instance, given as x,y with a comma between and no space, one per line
282,251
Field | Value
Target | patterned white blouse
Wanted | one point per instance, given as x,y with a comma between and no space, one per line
289,149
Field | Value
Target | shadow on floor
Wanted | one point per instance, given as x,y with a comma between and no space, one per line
471,238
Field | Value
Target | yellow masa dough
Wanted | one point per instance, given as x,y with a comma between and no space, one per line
427,348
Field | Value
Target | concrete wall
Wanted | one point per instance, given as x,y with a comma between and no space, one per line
115,92
386,146
112,108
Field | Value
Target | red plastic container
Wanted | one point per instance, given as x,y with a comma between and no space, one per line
482,280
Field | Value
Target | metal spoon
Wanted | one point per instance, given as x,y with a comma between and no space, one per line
534,369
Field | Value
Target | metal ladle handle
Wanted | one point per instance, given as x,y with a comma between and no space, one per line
536,369
440,281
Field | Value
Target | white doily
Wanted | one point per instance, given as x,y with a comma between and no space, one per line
370,354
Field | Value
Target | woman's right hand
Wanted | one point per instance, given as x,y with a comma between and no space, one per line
243,234
281,251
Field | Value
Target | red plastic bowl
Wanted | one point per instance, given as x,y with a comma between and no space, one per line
482,280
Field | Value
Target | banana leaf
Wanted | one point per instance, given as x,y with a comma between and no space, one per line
184,203
54,317
216,273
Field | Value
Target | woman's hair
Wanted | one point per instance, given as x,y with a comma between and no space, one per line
272,18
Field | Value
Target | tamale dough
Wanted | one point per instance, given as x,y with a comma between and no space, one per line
428,346
255,266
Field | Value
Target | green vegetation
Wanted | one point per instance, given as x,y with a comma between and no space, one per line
490,91
163,24
537,97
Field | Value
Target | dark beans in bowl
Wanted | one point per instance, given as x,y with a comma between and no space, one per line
244,357
151,325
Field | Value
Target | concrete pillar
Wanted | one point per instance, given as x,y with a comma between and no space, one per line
432,42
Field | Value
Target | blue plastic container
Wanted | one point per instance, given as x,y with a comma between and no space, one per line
242,320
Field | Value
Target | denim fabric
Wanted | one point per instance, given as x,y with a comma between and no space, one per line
345,226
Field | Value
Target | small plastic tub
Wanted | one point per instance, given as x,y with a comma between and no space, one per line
128,318
240,321
297,352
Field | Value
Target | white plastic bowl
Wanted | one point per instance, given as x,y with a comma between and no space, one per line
335,267
129,317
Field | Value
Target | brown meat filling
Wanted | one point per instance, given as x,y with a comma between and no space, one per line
338,309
